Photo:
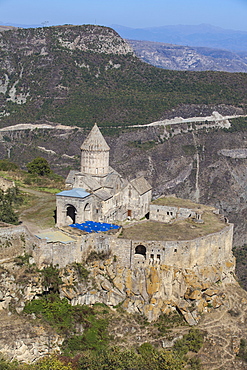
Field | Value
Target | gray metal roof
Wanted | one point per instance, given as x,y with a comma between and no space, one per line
71,177
141,185
91,182
102,194
74,193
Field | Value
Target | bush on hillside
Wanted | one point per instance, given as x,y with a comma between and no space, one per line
39,166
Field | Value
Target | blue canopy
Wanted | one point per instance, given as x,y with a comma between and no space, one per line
94,227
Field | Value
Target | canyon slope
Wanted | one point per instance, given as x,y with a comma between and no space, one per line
79,75
188,58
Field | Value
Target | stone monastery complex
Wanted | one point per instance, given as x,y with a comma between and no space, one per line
167,255
99,193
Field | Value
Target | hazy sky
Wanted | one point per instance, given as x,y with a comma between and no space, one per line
230,14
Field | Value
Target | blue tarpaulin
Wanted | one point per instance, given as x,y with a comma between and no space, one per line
94,227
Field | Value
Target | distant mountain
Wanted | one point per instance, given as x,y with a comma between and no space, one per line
19,25
203,35
185,58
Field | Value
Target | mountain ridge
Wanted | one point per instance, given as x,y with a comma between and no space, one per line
200,35
185,58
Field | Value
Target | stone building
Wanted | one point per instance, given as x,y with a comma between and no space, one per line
98,192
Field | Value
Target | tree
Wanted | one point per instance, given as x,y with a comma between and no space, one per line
39,166
7,213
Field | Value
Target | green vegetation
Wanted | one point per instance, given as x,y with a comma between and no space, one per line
145,145
34,198
23,260
82,272
166,322
88,343
50,279
241,262
6,165
189,149
237,125
192,341
8,201
242,354
63,89
39,175
39,166
97,256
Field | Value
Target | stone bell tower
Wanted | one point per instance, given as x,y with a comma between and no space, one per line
95,154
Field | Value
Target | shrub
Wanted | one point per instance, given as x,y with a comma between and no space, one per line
39,166
51,278
6,165
81,271
192,341
243,350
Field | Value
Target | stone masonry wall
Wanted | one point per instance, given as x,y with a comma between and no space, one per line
14,241
168,213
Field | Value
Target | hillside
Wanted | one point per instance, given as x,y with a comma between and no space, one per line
186,58
77,75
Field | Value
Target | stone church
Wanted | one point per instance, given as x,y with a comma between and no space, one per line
98,192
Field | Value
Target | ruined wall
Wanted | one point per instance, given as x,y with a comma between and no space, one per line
14,241
168,213
6,184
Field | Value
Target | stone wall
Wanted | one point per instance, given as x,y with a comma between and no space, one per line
14,241
209,250
150,277
168,213
6,184
153,277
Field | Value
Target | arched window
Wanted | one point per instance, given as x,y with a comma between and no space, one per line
87,212
140,249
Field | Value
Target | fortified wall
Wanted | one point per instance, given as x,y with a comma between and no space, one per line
143,275
15,241
212,249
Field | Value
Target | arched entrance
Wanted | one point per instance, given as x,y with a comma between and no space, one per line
140,249
87,212
71,214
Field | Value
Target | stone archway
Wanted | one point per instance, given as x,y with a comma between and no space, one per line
140,249
87,212
71,213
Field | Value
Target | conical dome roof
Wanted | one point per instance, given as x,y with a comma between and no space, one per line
95,141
